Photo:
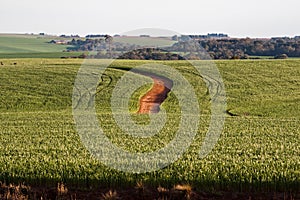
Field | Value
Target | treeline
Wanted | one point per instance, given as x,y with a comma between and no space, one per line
225,48
150,54
242,48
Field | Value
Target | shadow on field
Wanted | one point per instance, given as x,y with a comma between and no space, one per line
18,188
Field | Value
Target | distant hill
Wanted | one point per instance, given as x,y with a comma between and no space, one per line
47,46
216,45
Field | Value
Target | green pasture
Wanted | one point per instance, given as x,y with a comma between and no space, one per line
28,44
259,147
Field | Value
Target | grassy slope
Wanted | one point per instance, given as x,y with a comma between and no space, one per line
260,147
31,46
27,44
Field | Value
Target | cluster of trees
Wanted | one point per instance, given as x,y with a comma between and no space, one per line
96,36
105,47
69,36
90,44
242,48
230,48
208,36
150,54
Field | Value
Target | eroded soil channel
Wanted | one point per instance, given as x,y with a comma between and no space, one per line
151,101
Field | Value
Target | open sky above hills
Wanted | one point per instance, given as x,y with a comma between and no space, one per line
256,18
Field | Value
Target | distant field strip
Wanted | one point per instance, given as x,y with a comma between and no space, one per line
27,45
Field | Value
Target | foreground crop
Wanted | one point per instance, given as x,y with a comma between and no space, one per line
258,149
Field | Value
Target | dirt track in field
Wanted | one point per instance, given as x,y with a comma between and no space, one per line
151,101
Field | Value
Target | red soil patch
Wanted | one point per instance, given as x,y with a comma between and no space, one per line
151,101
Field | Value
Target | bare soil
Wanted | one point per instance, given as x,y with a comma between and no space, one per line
140,191
151,101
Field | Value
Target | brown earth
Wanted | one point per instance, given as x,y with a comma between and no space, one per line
151,101
140,191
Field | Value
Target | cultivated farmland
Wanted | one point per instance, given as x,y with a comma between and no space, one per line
258,149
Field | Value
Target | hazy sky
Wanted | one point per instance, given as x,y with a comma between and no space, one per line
255,18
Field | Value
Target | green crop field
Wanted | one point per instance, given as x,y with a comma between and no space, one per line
259,148
28,44
31,46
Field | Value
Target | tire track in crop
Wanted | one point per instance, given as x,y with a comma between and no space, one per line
214,86
88,92
91,100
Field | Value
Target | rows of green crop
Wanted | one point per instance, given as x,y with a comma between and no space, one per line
45,146
258,149
262,88
36,84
